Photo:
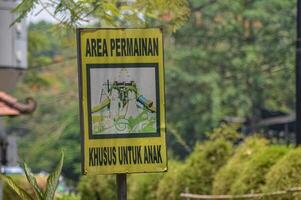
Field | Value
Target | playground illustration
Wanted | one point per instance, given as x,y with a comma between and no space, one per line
120,105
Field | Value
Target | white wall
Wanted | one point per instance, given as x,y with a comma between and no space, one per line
13,40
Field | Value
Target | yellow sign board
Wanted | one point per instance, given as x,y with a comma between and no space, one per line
122,100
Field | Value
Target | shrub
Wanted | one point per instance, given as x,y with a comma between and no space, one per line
197,173
252,177
69,197
227,131
143,186
285,174
227,175
203,163
97,187
170,186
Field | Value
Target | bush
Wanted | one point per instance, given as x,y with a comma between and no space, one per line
285,174
97,187
197,173
203,163
227,131
226,176
252,177
69,197
170,186
143,186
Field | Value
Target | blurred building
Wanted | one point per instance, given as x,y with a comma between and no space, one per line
13,46
277,126
13,63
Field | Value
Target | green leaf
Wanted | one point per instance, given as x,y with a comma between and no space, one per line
32,180
21,193
111,7
23,8
53,180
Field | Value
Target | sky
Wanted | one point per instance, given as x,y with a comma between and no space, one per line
36,15
39,14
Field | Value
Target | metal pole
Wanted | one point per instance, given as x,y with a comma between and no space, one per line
298,75
2,139
121,186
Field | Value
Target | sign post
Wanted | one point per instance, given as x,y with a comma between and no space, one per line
121,186
298,75
122,102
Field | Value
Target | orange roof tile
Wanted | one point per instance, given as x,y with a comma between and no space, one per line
9,106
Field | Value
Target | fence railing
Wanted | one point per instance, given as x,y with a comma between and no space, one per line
290,191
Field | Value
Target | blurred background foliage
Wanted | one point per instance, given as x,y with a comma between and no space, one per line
231,59
223,60
216,166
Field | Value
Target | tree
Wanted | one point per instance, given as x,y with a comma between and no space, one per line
169,13
55,123
232,59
